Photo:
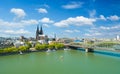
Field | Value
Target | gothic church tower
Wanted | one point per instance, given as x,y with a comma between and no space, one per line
38,32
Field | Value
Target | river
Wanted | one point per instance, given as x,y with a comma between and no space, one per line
60,62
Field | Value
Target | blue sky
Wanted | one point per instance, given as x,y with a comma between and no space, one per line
66,18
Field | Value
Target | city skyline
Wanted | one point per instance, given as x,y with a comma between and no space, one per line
68,18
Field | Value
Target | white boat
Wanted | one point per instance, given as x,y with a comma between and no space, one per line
20,52
48,50
66,49
53,50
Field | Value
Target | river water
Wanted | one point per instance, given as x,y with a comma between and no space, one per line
60,62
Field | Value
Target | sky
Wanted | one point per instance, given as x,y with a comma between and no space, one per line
65,18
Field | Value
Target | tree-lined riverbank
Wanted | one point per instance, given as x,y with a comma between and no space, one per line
26,48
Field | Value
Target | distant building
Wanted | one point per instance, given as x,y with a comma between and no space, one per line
19,43
78,40
22,38
117,38
40,37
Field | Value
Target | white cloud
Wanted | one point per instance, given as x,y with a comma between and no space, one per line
110,28
113,18
92,13
42,10
46,20
18,12
78,21
115,27
69,31
72,31
46,25
29,22
104,31
102,17
9,24
97,33
87,34
17,32
73,5
21,23
76,31
104,28
93,34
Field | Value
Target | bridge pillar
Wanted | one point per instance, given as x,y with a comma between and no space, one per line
89,50
86,49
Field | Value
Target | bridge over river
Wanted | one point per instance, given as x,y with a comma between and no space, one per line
87,49
91,48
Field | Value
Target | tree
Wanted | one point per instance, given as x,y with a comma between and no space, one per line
41,46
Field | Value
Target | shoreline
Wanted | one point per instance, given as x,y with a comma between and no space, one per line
98,51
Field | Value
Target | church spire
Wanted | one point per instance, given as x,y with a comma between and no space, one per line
37,32
41,31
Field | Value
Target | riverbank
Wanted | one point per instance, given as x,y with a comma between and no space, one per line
28,49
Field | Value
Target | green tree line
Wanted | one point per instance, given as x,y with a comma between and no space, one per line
38,46
49,46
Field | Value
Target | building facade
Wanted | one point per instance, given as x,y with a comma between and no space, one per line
40,37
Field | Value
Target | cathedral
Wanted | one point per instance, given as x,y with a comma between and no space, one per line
40,37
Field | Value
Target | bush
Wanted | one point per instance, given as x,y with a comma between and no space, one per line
9,50
51,46
23,48
29,45
59,46
1,51
56,45
41,46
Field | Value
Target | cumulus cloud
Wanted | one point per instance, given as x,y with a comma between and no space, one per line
93,34
16,32
46,25
21,23
42,10
69,31
18,12
72,31
14,28
104,28
113,18
46,20
73,5
76,30
31,21
104,31
87,34
102,17
110,28
9,24
78,21
92,13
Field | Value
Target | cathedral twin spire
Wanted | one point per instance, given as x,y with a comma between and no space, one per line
39,32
